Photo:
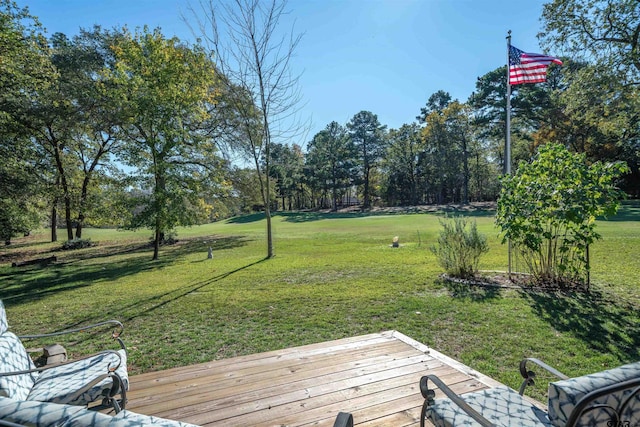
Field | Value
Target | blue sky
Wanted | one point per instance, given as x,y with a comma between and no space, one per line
385,56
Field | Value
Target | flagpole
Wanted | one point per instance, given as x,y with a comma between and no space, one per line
507,159
507,150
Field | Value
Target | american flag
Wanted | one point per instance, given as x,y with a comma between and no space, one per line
528,67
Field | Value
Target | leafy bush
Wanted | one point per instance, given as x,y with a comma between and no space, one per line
548,211
459,247
74,244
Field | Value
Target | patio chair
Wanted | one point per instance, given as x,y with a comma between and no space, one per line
99,377
607,398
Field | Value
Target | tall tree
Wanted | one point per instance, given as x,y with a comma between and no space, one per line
440,160
20,189
166,88
458,121
331,157
286,168
255,57
25,70
56,124
438,101
401,165
368,136
85,65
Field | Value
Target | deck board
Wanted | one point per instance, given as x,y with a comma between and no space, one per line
375,377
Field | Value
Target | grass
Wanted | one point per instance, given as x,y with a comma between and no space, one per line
334,275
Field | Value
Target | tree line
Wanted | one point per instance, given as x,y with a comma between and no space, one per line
124,128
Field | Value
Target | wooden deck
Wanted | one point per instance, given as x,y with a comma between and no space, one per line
375,377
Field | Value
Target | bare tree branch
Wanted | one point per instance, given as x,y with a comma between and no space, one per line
255,60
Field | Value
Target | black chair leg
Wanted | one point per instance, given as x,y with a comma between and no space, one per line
344,419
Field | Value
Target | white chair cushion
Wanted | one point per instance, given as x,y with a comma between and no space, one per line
4,326
502,406
128,418
47,414
14,357
37,413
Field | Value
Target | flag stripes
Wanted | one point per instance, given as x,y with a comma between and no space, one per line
528,67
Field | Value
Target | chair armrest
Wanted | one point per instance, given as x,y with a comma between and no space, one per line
110,368
429,394
119,328
530,375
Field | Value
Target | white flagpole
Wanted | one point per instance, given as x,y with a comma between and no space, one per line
507,150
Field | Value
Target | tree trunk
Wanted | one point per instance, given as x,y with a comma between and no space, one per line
159,190
465,159
62,180
79,226
84,191
334,196
67,215
367,202
54,221
156,240
267,213
265,191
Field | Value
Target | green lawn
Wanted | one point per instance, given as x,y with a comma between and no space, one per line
334,275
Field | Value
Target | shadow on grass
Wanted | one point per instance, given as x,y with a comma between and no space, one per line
137,308
629,211
245,219
308,216
32,284
470,291
21,244
604,323
29,284
143,307
300,217
148,305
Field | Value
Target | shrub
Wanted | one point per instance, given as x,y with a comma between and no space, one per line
71,245
548,211
459,247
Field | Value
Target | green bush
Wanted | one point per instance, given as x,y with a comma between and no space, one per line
548,210
70,245
459,247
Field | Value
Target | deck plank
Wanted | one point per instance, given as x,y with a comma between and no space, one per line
375,377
